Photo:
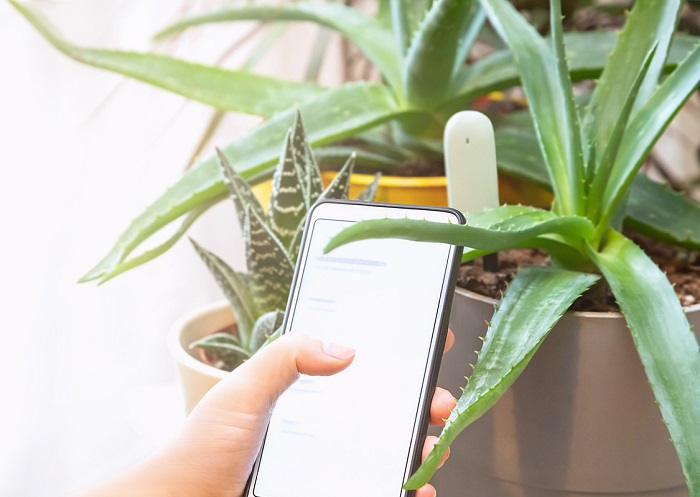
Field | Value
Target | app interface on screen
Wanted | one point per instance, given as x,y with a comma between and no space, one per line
349,434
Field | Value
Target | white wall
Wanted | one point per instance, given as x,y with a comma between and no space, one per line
87,386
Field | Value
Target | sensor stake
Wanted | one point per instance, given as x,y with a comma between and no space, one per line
470,166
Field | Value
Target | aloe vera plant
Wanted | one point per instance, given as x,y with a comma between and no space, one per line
272,238
592,156
420,49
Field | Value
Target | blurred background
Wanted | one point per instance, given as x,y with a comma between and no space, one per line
86,381
87,385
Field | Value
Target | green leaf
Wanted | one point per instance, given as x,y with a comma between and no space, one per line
148,255
431,59
236,290
269,265
287,201
366,33
238,189
665,342
339,188
403,23
232,90
586,53
551,102
656,210
265,326
500,228
333,157
531,306
305,162
331,116
600,172
219,341
223,350
650,23
370,191
646,127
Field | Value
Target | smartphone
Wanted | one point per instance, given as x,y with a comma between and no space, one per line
361,432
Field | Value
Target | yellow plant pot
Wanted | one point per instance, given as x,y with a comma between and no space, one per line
430,190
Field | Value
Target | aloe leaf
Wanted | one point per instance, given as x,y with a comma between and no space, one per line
665,342
650,23
656,210
403,23
477,19
339,188
235,289
551,102
238,189
601,171
586,53
333,115
646,127
226,89
366,33
531,306
265,326
269,265
148,255
431,58
287,200
370,191
495,229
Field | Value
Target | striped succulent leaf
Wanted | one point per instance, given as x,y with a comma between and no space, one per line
236,289
288,199
339,188
265,327
370,191
238,189
223,350
269,265
305,162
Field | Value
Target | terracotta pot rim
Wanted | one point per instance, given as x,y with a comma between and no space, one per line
178,351
580,314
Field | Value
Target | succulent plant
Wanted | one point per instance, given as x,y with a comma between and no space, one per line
592,156
272,238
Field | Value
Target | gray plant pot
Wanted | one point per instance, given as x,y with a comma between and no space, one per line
580,421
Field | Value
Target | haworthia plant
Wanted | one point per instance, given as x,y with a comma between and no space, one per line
258,296
592,174
419,47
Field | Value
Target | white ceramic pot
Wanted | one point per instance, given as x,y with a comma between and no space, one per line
580,421
197,377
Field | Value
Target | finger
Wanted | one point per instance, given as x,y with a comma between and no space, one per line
430,442
258,383
426,490
441,406
450,341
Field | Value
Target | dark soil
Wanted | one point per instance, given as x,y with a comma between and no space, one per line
421,168
680,265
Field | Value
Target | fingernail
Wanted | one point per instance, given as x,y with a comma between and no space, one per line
338,351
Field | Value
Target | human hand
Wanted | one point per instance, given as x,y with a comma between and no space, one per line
215,453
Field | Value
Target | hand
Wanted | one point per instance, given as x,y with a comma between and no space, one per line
217,449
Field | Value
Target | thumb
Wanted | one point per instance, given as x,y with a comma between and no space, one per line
255,386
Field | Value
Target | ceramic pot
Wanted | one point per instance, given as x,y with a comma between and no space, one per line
580,421
430,190
197,377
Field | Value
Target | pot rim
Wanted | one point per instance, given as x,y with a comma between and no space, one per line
580,314
398,181
178,351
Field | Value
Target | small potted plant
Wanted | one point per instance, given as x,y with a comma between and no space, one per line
565,429
214,340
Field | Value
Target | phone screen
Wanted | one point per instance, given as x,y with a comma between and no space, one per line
353,433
